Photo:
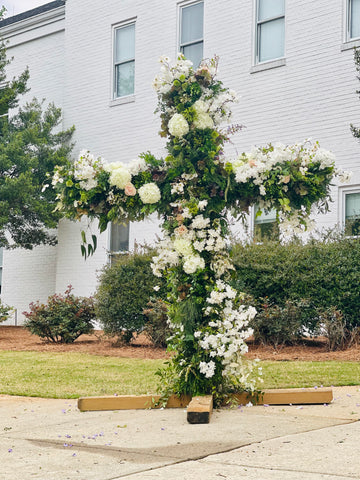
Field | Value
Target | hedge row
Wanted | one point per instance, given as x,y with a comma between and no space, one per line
324,275
294,287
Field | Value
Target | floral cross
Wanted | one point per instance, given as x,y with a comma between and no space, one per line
193,190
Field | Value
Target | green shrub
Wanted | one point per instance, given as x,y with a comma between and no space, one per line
156,326
125,289
63,319
334,328
4,312
323,273
276,325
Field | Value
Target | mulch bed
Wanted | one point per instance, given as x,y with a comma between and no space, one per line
19,339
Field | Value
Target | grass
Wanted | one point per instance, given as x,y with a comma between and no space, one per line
72,375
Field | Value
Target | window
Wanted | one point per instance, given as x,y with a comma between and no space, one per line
118,239
191,32
265,225
353,19
352,213
270,30
124,60
1,266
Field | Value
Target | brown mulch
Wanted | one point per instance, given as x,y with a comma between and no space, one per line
19,339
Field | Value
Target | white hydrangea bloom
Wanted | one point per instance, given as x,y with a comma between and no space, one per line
149,193
178,126
183,246
203,120
120,177
193,263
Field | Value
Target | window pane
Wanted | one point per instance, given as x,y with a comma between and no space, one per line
119,237
125,43
194,53
192,23
352,205
271,40
355,19
269,217
352,214
124,79
270,9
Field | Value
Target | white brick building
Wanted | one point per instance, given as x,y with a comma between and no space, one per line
291,62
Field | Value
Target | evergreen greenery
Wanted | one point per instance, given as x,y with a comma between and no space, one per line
320,274
31,145
125,289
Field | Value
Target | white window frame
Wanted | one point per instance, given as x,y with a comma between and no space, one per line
348,22
253,221
343,191
115,100
113,253
273,62
348,42
180,44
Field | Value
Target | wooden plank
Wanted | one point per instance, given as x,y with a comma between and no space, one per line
294,396
200,409
128,402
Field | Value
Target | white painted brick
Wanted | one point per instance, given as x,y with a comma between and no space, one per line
313,95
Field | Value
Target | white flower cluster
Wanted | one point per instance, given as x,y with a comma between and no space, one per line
178,126
85,170
163,82
207,368
210,110
257,164
187,243
119,174
295,223
217,107
229,331
149,193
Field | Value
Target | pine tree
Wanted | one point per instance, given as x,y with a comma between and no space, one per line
31,145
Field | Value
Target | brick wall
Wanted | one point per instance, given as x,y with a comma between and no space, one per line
312,95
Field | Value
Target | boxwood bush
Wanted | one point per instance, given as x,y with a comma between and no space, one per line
124,291
323,274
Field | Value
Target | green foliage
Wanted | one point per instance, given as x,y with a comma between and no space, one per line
29,151
323,273
63,319
156,326
4,312
277,325
125,289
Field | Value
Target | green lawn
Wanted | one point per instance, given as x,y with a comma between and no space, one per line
72,375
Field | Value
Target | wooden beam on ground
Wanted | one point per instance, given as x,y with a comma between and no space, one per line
200,409
293,396
129,402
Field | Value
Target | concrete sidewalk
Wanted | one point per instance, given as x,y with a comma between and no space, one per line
46,439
